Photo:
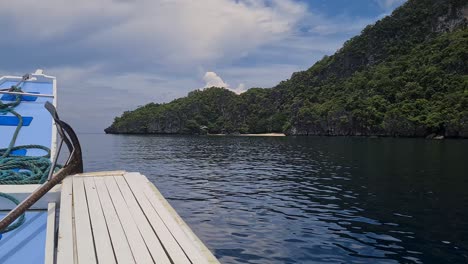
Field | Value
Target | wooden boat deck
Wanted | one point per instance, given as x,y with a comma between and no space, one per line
119,217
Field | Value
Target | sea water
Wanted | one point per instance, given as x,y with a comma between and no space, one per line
306,199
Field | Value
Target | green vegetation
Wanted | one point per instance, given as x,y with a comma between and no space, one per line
407,75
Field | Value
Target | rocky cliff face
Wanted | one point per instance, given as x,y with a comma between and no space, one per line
400,128
456,17
169,126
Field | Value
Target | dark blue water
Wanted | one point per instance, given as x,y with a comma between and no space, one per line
307,200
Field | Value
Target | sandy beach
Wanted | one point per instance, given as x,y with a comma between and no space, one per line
252,135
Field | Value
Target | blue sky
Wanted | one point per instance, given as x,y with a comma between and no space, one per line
114,55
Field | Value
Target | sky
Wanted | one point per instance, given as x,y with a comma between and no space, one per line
111,56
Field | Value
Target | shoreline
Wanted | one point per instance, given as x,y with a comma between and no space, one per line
436,138
251,135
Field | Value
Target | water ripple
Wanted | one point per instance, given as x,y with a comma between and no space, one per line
306,200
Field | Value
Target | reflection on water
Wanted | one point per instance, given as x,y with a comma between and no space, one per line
307,200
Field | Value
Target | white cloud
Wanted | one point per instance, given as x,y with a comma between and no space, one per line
212,79
174,32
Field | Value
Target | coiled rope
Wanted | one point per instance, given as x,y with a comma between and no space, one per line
15,169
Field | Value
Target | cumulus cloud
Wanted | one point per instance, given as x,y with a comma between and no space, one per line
173,32
212,79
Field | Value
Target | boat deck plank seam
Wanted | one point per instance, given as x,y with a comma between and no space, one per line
118,217
156,225
104,250
149,236
65,241
139,181
122,251
134,238
84,235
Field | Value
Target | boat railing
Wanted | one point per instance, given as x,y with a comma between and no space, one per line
6,91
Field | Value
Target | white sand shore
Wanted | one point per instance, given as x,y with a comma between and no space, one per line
252,135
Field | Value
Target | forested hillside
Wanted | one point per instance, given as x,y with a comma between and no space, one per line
406,75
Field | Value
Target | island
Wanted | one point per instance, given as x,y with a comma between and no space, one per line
404,76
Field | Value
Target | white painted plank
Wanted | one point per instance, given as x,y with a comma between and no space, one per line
191,245
151,240
65,247
104,251
120,244
136,242
50,235
84,237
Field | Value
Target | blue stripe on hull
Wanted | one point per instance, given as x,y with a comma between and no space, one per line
19,152
14,121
